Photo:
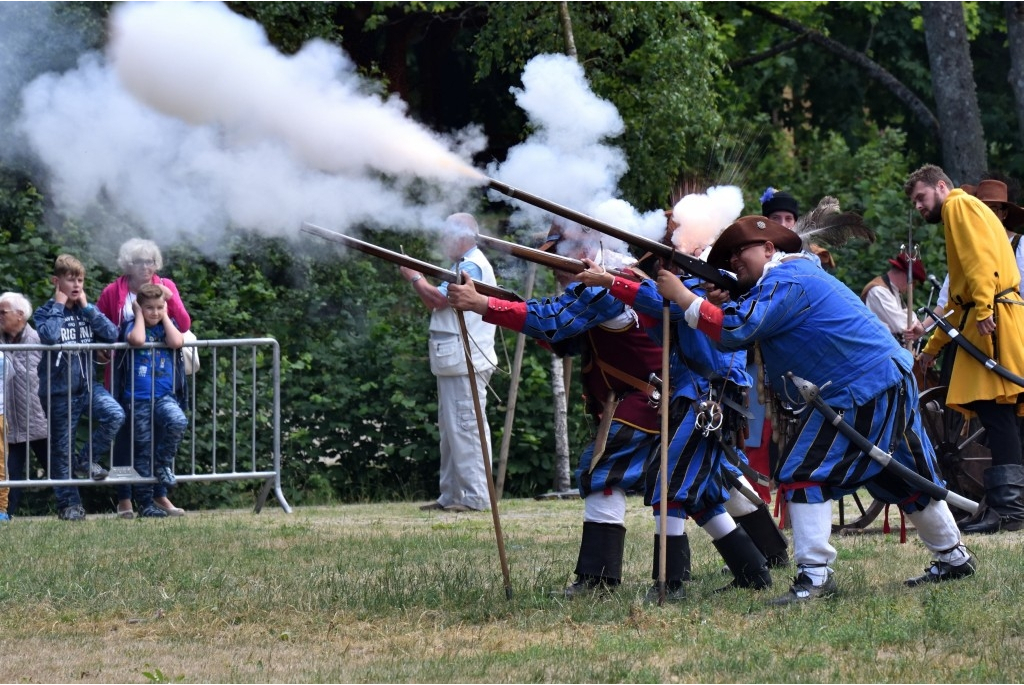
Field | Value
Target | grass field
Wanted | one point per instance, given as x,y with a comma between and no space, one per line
386,593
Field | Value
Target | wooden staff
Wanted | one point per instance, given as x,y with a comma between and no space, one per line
481,429
912,253
666,397
513,393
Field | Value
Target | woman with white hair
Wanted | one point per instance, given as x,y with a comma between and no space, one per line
140,260
26,420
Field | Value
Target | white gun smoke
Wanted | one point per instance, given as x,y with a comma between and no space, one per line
567,158
193,122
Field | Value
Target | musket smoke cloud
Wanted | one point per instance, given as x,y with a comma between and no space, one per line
217,128
701,217
566,159
208,65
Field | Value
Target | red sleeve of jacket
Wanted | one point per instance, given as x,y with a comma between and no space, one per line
507,314
625,290
710,321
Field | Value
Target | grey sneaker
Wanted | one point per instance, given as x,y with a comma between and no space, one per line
92,470
673,593
940,571
73,513
803,590
584,587
165,476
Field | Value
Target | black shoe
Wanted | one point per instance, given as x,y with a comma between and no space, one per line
940,571
989,522
673,593
584,587
92,470
73,513
804,590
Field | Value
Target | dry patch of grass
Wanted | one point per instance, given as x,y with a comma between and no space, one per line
386,593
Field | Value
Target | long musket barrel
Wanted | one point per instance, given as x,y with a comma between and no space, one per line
402,260
690,265
548,259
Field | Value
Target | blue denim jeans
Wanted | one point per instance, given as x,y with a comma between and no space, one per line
123,457
159,429
64,415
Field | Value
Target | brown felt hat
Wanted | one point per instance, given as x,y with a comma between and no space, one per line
993,193
748,230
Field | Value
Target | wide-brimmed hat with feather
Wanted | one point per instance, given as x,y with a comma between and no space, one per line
994,194
750,230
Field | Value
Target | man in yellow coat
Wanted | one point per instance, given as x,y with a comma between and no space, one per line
987,309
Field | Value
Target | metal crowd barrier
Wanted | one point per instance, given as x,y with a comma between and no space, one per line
233,411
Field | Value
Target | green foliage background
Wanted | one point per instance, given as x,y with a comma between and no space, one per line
356,385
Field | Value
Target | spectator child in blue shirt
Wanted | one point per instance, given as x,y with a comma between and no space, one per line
151,392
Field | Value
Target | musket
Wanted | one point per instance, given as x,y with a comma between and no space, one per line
548,259
972,349
684,262
812,395
402,260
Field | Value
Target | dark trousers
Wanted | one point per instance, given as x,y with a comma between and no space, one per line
1002,430
17,459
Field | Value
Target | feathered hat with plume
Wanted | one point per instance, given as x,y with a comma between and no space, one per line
827,224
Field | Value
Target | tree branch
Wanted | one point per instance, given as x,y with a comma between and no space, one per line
769,53
918,108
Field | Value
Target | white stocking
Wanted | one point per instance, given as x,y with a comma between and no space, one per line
937,530
601,508
812,526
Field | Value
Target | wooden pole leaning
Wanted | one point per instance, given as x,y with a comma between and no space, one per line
513,393
666,396
481,422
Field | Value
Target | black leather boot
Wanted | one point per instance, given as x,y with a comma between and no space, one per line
747,563
677,568
761,528
599,565
1004,498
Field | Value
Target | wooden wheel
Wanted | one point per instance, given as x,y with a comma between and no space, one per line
959,444
859,518
961,455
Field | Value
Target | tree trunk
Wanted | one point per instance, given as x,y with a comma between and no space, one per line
566,20
559,381
956,97
1015,37
561,421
